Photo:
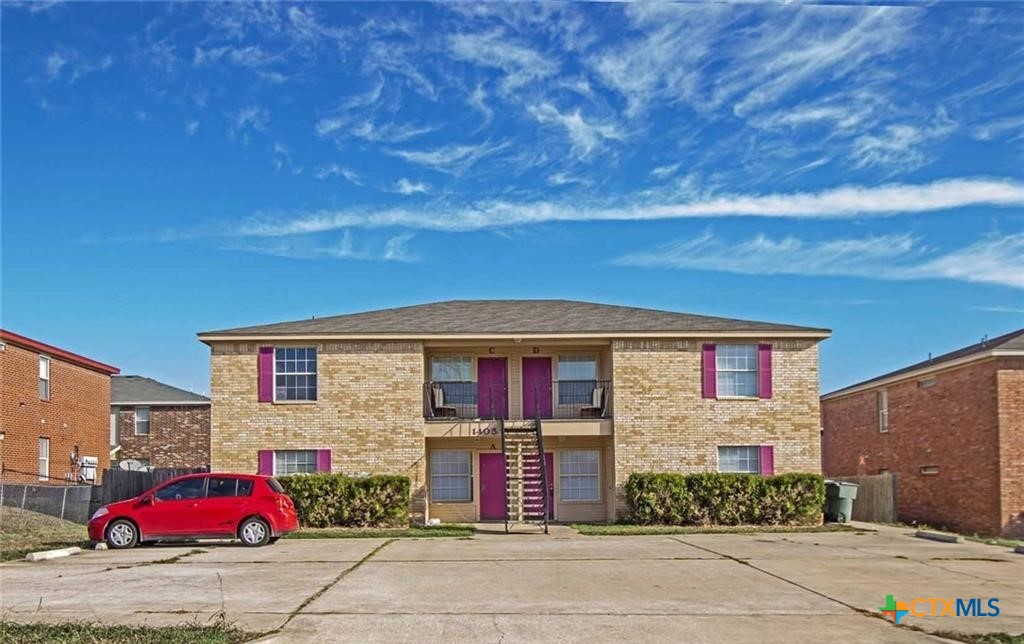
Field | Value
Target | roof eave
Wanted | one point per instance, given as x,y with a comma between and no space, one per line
160,403
809,333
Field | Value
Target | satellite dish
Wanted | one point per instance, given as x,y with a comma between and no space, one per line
130,464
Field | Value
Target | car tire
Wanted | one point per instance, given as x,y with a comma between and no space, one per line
273,539
254,532
122,534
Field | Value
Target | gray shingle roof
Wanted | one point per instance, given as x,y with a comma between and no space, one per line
126,390
511,317
1012,341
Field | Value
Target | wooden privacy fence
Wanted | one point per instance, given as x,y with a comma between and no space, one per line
119,485
876,497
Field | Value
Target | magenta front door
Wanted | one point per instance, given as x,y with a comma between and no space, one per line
491,388
536,387
492,486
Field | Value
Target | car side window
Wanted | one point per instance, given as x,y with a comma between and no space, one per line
221,486
244,487
182,490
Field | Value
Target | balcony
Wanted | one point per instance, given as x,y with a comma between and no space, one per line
472,400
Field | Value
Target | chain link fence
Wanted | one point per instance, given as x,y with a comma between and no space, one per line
54,497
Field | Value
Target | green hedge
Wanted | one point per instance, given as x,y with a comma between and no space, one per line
725,499
325,500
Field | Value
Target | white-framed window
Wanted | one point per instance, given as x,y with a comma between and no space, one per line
294,461
883,410
577,378
736,370
579,473
44,458
743,459
295,373
44,378
451,476
142,421
454,374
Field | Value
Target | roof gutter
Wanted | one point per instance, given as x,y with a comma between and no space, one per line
57,352
255,337
159,403
923,371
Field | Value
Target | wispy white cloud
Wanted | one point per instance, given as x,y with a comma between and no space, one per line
994,260
520,64
453,159
283,159
252,118
564,179
72,65
900,146
478,99
248,56
999,309
663,171
406,187
394,249
191,127
1013,126
335,170
390,132
836,203
586,136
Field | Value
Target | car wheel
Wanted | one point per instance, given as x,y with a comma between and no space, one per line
122,534
254,532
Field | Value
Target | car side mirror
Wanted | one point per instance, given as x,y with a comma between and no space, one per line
149,499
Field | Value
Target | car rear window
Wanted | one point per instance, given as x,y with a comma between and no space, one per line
275,486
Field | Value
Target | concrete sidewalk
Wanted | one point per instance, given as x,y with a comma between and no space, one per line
562,587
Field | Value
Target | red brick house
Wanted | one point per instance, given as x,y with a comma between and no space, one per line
53,413
950,428
158,425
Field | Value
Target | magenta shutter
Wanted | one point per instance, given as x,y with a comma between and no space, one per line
767,458
266,462
266,374
323,460
764,370
710,378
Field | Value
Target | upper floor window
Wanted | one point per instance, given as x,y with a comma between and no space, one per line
295,373
294,461
883,410
454,374
142,421
736,370
44,378
577,377
744,459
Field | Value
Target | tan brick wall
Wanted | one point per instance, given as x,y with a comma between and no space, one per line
369,412
663,424
77,413
179,436
955,425
1010,384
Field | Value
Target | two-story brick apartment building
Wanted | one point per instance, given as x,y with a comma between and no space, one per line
53,412
951,428
439,391
158,425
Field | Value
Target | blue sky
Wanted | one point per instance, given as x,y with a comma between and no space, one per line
173,168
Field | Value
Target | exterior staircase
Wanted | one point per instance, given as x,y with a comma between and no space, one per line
526,478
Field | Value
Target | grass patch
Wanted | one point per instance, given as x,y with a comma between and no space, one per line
75,632
982,638
416,532
24,531
624,529
996,541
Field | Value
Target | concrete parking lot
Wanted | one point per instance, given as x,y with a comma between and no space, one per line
809,587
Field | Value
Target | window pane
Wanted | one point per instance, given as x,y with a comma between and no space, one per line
295,373
187,489
451,368
744,460
577,368
451,476
294,462
579,472
221,486
44,367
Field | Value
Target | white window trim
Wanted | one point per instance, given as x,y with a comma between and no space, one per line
317,374
275,452
44,473
149,420
882,398
45,359
756,370
757,452
469,476
598,477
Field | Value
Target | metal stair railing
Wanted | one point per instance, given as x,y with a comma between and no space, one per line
543,461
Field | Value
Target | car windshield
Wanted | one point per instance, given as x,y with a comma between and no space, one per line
275,486
185,489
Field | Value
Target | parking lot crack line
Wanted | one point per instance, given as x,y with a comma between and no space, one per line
344,573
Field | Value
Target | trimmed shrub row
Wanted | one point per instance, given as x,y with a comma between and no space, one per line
326,500
725,499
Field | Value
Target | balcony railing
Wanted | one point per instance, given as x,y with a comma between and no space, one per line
559,399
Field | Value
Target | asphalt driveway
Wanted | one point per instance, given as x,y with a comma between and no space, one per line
563,587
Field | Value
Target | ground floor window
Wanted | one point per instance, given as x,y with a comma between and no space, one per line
294,461
579,472
740,459
451,476
44,458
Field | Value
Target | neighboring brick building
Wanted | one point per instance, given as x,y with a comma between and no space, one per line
158,425
54,412
430,391
950,428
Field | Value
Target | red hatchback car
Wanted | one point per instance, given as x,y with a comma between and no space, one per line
252,508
